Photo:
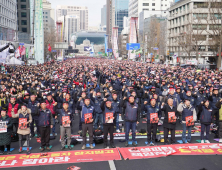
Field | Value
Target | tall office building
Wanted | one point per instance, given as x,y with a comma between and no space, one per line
71,25
23,16
8,20
81,12
121,11
110,19
103,16
48,16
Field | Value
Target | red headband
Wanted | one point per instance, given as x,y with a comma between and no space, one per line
153,99
13,98
43,103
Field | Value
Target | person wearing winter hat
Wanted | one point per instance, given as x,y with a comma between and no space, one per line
189,115
25,118
132,116
206,119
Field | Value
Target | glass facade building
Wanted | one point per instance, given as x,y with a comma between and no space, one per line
121,10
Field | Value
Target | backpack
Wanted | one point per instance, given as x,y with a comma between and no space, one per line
98,140
97,132
74,141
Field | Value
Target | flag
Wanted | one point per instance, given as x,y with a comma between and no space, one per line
17,52
23,51
49,48
27,53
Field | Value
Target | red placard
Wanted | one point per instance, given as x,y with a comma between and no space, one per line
88,117
65,121
153,117
109,117
171,117
189,121
22,123
62,157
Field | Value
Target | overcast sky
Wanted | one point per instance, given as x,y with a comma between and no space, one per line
94,7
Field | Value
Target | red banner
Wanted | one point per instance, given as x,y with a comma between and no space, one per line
146,152
198,149
165,150
35,159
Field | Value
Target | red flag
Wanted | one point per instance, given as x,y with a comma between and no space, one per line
49,48
22,51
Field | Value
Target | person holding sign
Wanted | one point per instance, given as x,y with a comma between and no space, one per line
45,122
132,116
65,120
169,123
25,118
206,118
109,114
189,116
5,132
153,116
87,116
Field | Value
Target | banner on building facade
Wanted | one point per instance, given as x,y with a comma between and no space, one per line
31,3
115,42
133,35
106,44
39,33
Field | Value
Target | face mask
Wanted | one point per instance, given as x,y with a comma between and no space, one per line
64,94
44,97
37,88
111,89
195,81
13,81
7,93
22,83
60,84
46,92
53,87
36,82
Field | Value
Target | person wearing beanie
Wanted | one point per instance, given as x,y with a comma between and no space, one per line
188,113
206,119
5,137
109,114
214,97
153,116
132,116
87,116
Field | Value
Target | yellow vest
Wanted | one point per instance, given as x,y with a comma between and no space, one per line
220,113
1,102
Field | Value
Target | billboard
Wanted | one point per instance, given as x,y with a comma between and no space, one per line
132,46
114,42
39,34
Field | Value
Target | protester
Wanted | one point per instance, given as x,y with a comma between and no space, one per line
132,116
153,116
45,122
188,113
24,128
66,118
169,123
5,137
87,117
206,118
109,114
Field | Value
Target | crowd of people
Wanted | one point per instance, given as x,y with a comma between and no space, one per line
99,93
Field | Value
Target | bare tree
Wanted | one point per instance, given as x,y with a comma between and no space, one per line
192,34
49,38
215,27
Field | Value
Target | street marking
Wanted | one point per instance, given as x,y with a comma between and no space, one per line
112,165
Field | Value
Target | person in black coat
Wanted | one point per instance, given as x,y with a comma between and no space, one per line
169,123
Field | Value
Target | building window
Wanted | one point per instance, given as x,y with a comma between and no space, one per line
24,22
199,27
145,4
23,0
201,4
23,6
24,29
23,14
153,4
153,9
